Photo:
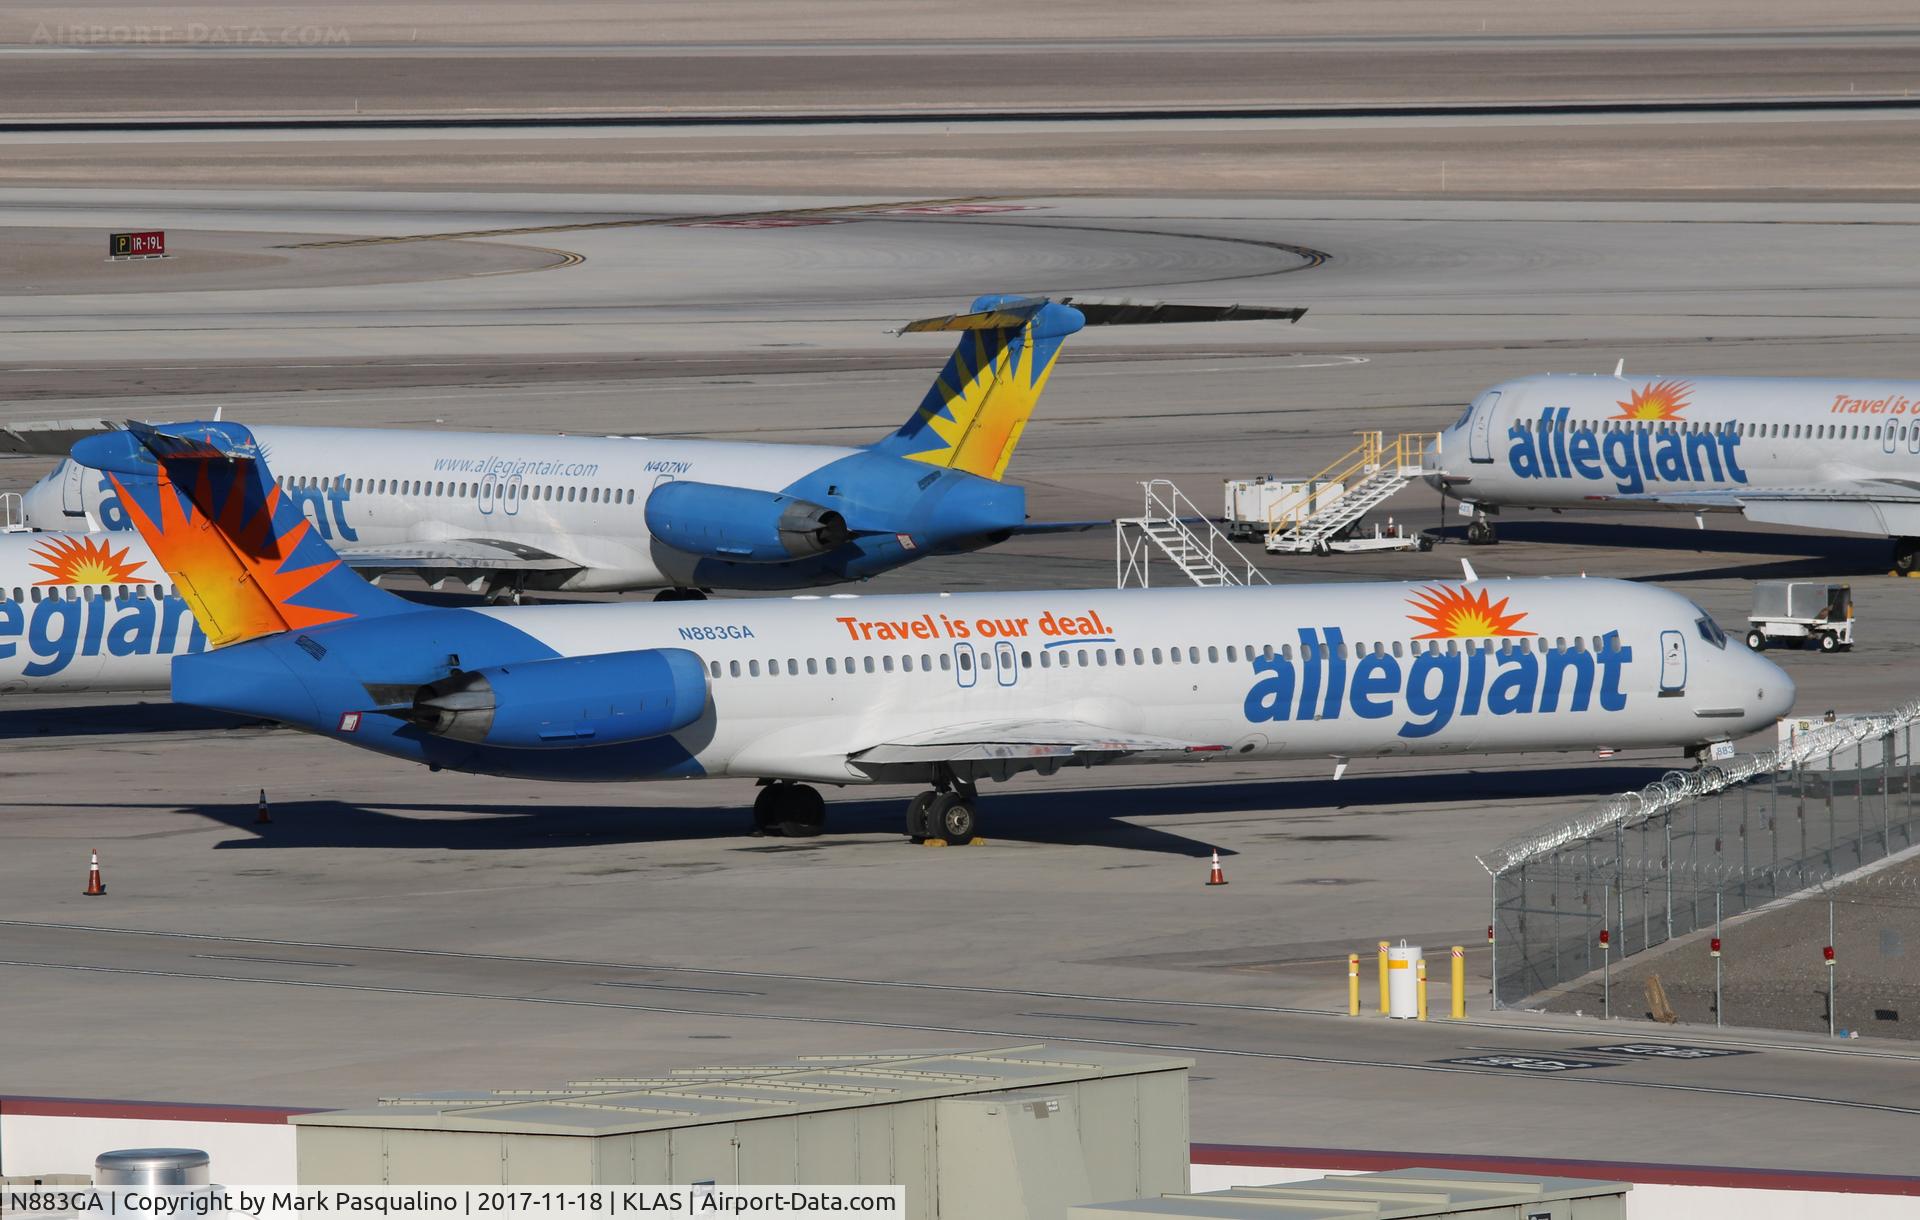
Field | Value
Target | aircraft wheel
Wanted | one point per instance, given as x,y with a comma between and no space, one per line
1829,643
803,814
919,824
1906,555
766,810
1480,532
951,817
1756,641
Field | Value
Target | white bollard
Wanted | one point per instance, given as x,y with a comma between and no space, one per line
1402,984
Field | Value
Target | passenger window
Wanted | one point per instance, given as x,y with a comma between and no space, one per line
813,667
946,663
830,665
793,668
714,667
1026,660
1046,660
866,663
886,663
1156,656
1100,657
926,663
1119,656
1173,655
1213,654
753,669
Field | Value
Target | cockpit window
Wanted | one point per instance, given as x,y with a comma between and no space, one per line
1466,414
1709,630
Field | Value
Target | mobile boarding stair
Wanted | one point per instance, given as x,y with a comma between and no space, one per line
1369,475
1172,527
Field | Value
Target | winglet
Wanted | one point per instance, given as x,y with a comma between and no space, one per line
1466,571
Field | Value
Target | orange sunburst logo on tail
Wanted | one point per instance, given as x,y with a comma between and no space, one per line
1455,614
235,573
87,561
1661,400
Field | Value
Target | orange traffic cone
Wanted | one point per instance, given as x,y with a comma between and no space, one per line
261,817
95,886
1216,877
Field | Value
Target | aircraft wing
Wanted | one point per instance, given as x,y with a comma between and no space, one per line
1029,741
1853,506
453,555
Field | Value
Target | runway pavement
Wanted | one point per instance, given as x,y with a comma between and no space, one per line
393,929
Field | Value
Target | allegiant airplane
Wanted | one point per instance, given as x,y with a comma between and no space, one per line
1823,453
511,512
935,691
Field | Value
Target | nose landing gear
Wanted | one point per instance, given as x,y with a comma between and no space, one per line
1480,531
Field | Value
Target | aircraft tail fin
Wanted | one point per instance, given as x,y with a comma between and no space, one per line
245,559
972,417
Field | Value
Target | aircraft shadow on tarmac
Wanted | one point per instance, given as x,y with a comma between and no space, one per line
1777,556
99,720
1091,816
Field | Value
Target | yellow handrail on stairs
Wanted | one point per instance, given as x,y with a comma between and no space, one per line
1371,455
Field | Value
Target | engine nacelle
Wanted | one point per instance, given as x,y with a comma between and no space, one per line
567,702
741,524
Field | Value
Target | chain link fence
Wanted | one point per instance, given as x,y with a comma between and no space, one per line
1700,846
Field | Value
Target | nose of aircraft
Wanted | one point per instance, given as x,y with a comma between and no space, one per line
41,502
1772,691
1433,466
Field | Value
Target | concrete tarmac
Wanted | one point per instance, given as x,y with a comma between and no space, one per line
397,930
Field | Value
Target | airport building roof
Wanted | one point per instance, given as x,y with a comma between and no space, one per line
615,1105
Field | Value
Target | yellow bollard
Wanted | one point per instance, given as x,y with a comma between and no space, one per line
1420,990
1353,984
1383,978
1459,1011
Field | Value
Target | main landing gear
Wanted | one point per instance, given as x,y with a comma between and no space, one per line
793,810
945,813
1906,555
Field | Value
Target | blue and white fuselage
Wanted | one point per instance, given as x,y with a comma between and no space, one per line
1824,453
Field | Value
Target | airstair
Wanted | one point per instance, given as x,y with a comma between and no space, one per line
1369,474
13,517
1174,528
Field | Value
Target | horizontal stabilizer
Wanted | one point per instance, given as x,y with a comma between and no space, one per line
1007,313
48,437
1152,314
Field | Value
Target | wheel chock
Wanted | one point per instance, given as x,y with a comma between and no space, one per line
976,841
933,842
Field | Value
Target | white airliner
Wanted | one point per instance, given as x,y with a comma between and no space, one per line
1841,455
934,690
88,612
510,512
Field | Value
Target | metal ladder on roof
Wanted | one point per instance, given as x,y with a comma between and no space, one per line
1371,473
1166,527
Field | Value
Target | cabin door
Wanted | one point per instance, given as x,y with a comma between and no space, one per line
1673,663
1480,447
